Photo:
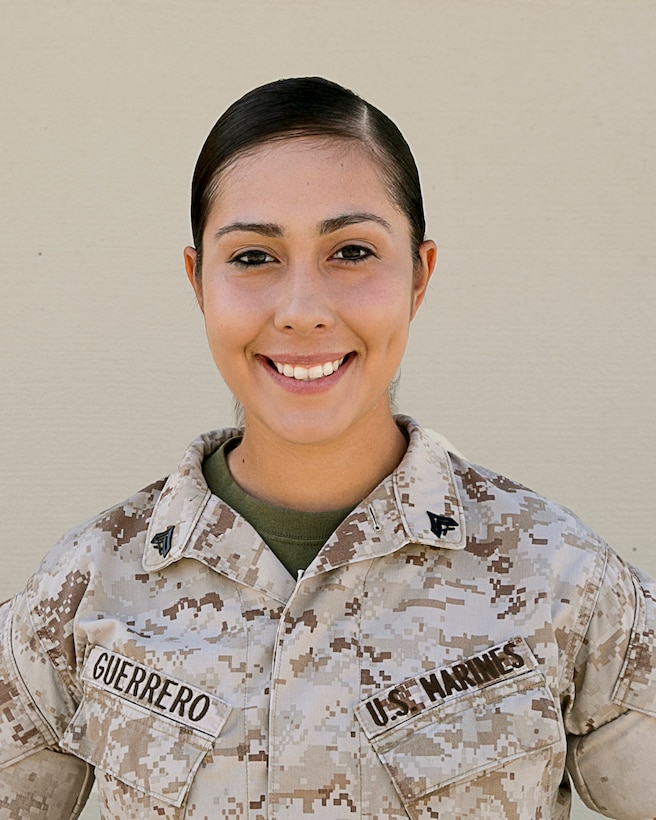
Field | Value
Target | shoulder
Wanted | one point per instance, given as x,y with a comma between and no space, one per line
521,541
110,545
496,503
491,512
119,531
110,532
493,503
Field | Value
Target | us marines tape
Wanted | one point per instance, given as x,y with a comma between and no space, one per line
403,701
154,690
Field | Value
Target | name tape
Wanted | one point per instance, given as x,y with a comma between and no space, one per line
155,691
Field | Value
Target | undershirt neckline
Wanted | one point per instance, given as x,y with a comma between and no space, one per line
294,536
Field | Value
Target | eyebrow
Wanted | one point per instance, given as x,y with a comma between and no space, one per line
342,221
328,226
263,228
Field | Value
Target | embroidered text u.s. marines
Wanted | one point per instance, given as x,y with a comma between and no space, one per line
459,648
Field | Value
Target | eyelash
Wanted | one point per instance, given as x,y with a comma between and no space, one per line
260,258
240,260
365,254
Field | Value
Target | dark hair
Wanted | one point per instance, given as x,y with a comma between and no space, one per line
306,107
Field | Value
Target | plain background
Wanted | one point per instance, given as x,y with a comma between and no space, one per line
533,126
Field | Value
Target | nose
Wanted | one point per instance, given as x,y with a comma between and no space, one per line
304,305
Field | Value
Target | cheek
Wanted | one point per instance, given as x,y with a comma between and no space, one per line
229,313
385,308
234,319
221,323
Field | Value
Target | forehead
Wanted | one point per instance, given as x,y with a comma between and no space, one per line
306,173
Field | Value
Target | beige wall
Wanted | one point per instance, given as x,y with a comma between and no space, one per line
533,124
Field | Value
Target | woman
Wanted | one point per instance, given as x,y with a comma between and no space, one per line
325,613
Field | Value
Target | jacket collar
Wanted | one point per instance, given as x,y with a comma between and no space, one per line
418,503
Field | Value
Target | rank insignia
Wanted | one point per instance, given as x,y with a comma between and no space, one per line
441,524
163,542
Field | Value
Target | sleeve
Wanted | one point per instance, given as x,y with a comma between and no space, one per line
611,719
37,780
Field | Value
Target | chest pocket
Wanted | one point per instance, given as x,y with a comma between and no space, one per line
456,723
144,729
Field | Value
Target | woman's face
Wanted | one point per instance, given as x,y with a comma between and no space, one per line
308,288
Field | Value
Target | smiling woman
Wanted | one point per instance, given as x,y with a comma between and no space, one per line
324,612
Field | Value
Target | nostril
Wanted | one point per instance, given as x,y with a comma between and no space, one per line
302,329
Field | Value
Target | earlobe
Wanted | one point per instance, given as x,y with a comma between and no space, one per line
190,259
423,271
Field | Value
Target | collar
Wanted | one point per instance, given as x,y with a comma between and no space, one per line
417,503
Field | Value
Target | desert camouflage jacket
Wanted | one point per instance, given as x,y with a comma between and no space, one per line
457,647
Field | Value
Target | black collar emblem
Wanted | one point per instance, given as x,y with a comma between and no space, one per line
441,524
163,541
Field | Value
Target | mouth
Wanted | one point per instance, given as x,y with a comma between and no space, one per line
308,374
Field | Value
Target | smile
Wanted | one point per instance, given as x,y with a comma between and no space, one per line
308,374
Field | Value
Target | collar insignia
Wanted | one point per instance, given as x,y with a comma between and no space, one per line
163,541
441,524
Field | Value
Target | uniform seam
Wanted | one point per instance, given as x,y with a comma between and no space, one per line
362,740
35,719
273,701
245,701
635,647
79,804
455,496
65,676
50,737
584,618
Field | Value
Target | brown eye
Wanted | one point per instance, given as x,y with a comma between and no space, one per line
353,253
251,259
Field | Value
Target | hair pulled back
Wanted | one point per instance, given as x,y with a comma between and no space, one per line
306,107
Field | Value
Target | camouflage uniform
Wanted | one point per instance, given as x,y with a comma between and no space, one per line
457,642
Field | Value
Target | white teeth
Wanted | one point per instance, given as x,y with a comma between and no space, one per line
308,374
315,372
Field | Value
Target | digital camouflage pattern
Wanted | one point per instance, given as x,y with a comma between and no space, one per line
457,643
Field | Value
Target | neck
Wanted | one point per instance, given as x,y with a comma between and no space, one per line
316,477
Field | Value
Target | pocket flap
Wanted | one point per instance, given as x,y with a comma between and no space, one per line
156,749
435,738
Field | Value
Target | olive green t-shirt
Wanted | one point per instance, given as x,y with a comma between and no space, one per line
294,536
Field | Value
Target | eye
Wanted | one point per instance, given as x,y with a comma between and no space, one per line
251,259
353,253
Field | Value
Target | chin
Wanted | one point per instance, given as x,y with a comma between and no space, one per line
304,430
311,435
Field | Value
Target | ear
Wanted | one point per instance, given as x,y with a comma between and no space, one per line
190,259
422,273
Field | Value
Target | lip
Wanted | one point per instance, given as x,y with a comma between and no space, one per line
301,386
